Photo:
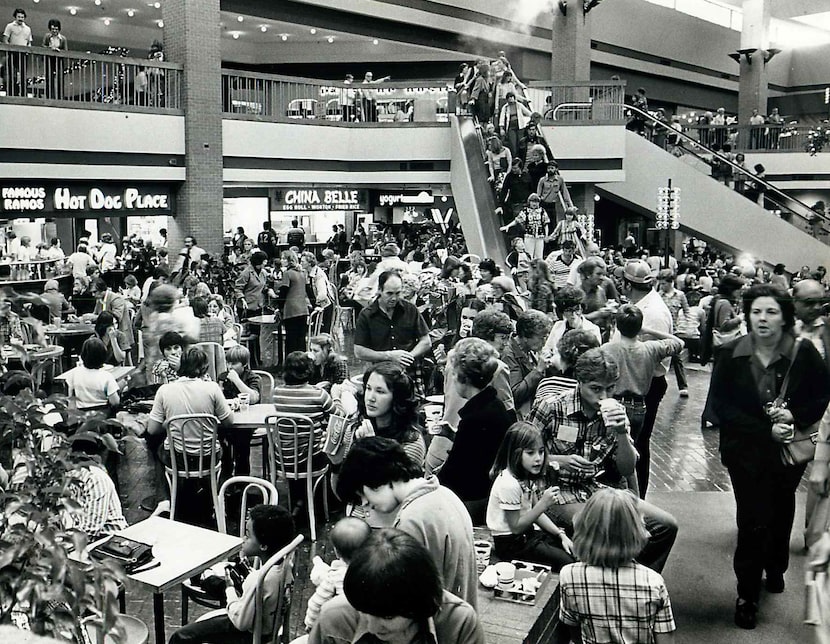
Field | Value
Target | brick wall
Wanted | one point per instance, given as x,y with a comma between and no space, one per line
571,44
192,38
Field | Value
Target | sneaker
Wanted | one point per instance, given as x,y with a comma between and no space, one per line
774,583
684,393
746,614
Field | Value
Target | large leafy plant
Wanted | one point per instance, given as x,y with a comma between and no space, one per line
45,584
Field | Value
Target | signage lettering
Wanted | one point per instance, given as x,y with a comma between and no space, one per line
82,197
305,199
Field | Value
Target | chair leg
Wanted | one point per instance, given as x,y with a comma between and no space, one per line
122,598
174,486
311,518
185,600
325,497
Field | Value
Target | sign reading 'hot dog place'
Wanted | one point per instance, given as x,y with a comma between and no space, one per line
54,199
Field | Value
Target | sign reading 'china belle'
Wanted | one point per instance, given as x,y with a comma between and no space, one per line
49,199
305,199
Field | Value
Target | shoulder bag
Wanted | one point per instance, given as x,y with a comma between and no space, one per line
802,448
339,437
129,553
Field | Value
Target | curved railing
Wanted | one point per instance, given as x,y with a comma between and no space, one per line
790,208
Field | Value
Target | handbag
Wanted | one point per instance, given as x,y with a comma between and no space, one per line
719,338
339,437
802,448
129,553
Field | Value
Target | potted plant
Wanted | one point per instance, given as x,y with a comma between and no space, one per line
47,584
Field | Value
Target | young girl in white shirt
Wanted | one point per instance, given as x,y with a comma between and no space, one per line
518,501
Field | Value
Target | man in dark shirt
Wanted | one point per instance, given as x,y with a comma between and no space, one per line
267,240
391,328
296,235
515,191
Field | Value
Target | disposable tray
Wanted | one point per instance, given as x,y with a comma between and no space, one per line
524,570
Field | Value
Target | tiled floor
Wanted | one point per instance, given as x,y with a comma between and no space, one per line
684,458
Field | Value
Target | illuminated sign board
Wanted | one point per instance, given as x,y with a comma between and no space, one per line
43,199
311,199
406,198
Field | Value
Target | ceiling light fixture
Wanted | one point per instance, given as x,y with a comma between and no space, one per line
35,1
130,12
240,18
157,5
97,3
73,11
160,23
312,31
375,41
284,37
107,22
263,28
330,39
235,35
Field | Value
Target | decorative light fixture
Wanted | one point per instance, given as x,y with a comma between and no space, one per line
73,11
240,18
97,3
235,35
157,5
312,31
330,39
263,28
375,41
284,37
107,22
130,12
735,56
35,1
770,53
160,23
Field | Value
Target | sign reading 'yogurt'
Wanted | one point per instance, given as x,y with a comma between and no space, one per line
54,199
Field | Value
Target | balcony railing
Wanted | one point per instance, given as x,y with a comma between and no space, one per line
287,98
587,101
753,138
77,79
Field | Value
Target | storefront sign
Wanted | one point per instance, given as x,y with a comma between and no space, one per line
406,198
45,199
305,199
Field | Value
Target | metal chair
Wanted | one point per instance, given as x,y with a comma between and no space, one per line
269,496
280,631
315,326
266,386
207,465
291,450
216,358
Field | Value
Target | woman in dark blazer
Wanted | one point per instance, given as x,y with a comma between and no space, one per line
747,377
484,421
295,302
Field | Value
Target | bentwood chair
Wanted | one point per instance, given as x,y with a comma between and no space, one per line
255,489
292,448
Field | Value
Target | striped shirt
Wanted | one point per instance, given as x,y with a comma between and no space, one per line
305,400
100,512
559,270
625,605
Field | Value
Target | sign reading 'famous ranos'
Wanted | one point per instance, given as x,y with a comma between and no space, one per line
54,199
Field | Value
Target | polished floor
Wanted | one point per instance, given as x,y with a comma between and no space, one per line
684,459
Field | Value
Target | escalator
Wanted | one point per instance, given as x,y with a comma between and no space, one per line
713,211
473,193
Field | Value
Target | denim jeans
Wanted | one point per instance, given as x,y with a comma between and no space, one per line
216,630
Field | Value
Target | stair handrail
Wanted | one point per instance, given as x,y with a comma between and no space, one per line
770,187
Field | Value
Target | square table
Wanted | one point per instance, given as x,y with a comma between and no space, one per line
183,551
254,417
119,373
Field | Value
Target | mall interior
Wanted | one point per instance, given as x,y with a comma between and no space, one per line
248,118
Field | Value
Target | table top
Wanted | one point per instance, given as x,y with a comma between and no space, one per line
262,319
71,328
254,417
119,373
35,352
183,550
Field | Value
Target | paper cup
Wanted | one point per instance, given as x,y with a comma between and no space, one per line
482,550
506,573
244,401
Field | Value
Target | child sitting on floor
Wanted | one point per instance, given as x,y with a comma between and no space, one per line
269,529
347,536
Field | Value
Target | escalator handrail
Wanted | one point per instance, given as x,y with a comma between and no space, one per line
770,187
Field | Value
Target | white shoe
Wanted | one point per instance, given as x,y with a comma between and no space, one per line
684,393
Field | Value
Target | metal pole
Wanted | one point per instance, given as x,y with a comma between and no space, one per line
668,228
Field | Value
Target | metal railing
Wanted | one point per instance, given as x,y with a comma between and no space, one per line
796,212
89,79
587,101
287,98
753,138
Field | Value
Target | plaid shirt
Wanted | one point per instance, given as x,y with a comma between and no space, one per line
627,605
567,430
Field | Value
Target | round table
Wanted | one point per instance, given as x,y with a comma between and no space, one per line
37,357
268,325
70,336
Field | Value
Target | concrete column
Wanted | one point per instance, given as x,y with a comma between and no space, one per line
571,43
753,87
192,38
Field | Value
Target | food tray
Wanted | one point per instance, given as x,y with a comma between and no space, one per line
518,595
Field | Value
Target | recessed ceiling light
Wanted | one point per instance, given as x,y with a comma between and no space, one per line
263,28
73,11
107,22
235,35
157,5
240,18
284,37
312,31
130,12
330,39
375,41
97,3
160,23
35,1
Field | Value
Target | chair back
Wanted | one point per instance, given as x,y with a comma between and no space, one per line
283,607
206,447
216,358
266,386
253,485
291,443
315,326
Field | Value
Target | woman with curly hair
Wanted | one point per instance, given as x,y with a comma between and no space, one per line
390,409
